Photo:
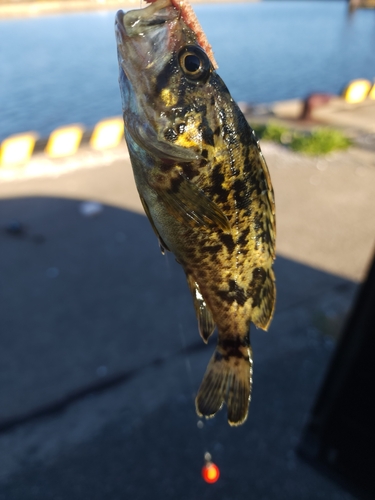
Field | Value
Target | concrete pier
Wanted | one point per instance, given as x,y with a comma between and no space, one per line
101,355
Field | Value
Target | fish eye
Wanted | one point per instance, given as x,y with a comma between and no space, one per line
194,63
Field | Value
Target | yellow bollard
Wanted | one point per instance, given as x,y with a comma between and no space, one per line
64,141
372,92
17,149
357,91
107,133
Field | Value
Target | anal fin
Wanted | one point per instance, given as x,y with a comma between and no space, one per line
206,324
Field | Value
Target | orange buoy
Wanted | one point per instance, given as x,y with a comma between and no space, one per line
210,472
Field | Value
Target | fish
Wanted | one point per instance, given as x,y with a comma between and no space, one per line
205,188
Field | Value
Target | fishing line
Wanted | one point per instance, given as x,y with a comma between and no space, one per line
167,264
210,471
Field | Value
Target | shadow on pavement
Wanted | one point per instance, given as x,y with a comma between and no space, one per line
88,304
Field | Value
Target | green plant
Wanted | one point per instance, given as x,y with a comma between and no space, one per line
319,141
271,132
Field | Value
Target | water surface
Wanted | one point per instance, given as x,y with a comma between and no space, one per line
62,69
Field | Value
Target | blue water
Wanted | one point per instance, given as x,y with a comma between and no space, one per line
58,70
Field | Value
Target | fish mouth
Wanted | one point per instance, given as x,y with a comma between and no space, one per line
139,21
119,20
145,37
119,27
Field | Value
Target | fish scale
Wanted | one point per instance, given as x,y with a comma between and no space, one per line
205,188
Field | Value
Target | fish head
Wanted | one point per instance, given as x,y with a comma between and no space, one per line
163,75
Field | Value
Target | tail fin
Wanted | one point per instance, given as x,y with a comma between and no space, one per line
228,379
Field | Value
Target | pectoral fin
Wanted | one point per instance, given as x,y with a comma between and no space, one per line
206,324
187,203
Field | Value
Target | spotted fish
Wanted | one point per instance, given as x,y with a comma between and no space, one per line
205,188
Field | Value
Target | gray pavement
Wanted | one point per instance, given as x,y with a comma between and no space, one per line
101,355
